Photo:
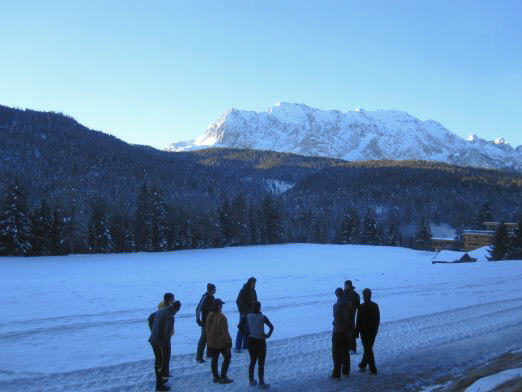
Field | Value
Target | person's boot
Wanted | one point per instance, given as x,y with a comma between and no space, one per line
262,385
253,383
226,380
162,388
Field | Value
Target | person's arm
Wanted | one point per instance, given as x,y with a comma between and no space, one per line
199,309
151,320
169,329
270,326
358,323
378,318
223,331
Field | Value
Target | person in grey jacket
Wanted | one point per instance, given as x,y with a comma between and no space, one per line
343,329
257,344
161,325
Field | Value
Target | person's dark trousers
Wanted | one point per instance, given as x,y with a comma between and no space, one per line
241,340
368,339
339,344
346,355
257,352
352,344
166,366
201,344
159,363
215,357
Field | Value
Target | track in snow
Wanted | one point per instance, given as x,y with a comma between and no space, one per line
408,352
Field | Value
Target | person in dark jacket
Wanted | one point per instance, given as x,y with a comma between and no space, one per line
257,344
343,329
353,297
205,306
168,300
245,301
368,320
161,325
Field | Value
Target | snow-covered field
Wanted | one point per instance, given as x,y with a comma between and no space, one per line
79,322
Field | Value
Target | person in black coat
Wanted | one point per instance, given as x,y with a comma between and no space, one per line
245,301
205,306
353,297
367,326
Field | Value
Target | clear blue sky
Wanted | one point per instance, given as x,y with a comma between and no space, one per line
155,72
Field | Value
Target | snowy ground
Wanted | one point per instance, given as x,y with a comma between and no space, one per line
79,322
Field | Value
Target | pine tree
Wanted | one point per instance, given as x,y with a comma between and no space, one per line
346,227
41,221
225,221
143,221
423,236
484,214
238,221
253,220
515,248
159,221
72,235
393,234
500,247
100,237
271,229
458,240
370,229
349,228
15,227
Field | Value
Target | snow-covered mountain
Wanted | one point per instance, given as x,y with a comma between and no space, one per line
352,135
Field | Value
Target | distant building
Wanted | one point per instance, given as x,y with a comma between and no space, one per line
473,239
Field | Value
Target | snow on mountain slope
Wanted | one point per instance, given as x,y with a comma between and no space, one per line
352,135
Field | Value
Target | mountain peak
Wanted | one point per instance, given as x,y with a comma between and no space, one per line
351,135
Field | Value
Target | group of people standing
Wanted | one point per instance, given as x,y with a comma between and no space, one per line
351,320
215,335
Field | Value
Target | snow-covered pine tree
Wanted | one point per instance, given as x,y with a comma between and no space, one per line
423,236
253,220
100,237
40,227
393,234
370,228
500,247
15,226
143,221
271,229
346,227
225,220
515,243
239,221
484,215
159,221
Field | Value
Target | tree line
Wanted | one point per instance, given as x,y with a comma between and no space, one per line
156,226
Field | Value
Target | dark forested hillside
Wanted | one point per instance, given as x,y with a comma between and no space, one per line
222,197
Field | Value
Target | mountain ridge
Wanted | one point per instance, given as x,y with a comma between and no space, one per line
352,135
